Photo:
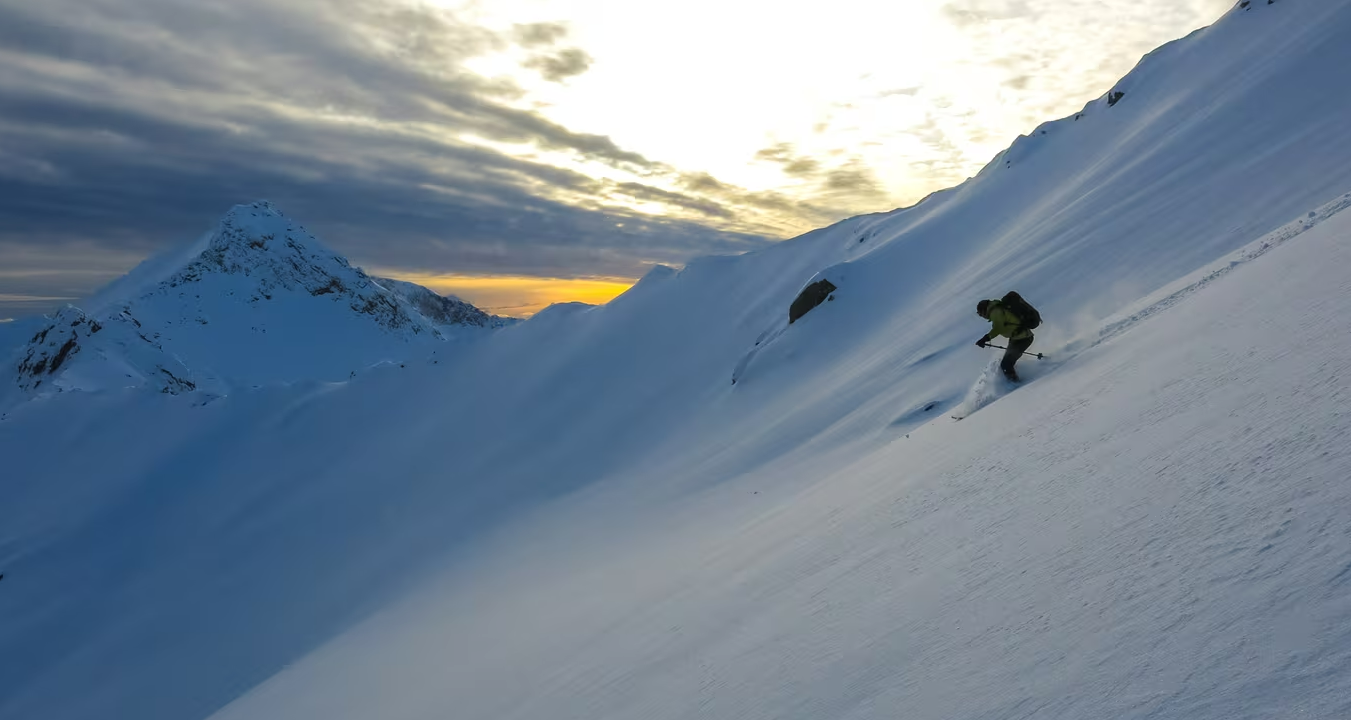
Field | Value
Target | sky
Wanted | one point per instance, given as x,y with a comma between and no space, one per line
517,152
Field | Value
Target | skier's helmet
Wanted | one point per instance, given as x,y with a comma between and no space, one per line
982,307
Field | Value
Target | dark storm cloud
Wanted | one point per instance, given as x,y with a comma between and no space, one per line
561,65
778,152
765,200
853,180
364,191
843,189
701,205
793,164
537,34
801,167
128,124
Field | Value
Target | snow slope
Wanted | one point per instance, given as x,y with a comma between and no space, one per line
581,516
1158,529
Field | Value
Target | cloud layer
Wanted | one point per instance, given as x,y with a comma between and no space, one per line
127,124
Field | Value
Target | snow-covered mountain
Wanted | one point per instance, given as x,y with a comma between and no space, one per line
445,311
582,517
258,300
59,354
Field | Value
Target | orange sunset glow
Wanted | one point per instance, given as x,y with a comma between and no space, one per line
518,295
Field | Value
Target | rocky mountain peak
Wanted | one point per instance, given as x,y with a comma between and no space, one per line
277,254
52,346
258,299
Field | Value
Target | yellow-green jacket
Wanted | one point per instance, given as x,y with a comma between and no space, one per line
1004,323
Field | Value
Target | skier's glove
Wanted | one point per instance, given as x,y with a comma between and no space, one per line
981,342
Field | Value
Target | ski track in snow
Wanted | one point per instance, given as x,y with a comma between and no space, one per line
764,341
991,386
1203,278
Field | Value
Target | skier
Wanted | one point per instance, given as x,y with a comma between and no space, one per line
1005,321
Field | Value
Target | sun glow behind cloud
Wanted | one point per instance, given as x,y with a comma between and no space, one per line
704,84
514,295
874,104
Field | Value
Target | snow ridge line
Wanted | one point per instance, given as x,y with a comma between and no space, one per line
1243,256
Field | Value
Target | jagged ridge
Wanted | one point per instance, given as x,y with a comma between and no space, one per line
443,309
257,241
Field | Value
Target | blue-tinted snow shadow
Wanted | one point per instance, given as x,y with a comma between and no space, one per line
922,413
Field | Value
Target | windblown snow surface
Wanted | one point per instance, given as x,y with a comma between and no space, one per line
582,517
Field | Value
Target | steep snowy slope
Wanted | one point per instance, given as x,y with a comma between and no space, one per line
1156,530
258,300
599,524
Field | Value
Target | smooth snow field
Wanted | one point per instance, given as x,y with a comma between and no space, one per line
582,516
1159,528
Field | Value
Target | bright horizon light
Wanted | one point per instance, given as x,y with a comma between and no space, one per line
516,295
899,99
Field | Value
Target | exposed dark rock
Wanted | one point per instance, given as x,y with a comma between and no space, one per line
334,285
810,297
174,385
1114,97
54,345
61,355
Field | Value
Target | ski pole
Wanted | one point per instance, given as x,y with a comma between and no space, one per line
1038,356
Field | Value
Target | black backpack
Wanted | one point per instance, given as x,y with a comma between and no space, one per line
1027,315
